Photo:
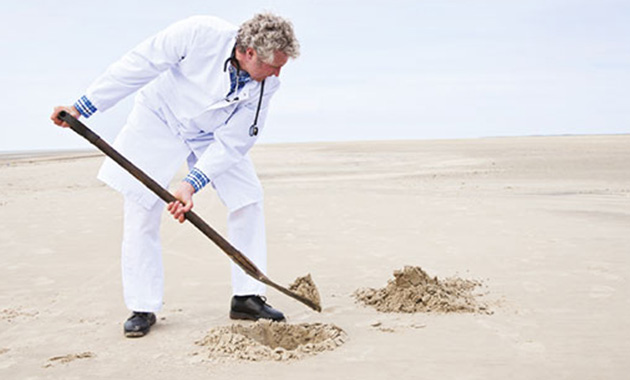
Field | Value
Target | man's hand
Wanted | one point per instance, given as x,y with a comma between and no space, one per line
55,115
184,194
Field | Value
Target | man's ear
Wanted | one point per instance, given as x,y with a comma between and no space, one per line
250,53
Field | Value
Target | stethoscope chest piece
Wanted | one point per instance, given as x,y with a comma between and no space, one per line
253,130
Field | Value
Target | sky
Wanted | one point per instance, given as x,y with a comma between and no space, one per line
369,70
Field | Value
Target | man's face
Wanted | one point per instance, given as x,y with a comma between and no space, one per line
260,70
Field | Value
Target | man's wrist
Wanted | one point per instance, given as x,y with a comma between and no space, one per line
188,187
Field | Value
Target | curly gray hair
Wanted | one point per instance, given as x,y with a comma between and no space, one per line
267,33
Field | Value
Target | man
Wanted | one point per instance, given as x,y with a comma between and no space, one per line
205,88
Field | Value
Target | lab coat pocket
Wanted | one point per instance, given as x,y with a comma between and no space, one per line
228,112
210,120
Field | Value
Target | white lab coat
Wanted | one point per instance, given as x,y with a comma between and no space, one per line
182,81
181,113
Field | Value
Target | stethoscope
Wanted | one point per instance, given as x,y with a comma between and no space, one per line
253,130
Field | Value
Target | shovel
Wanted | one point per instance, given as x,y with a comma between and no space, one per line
234,254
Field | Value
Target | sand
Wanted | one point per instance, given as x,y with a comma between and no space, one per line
65,359
265,340
542,222
412,290
305,287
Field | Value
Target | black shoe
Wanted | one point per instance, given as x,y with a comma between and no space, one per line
253,308
139,324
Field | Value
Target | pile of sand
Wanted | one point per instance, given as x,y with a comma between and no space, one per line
305,287
267,340
412,290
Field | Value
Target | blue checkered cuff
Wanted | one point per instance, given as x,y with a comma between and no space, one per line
197,179
85,107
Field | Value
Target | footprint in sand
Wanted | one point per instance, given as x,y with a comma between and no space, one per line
65,359
601,291
10,315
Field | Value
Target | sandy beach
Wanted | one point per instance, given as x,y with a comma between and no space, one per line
542,222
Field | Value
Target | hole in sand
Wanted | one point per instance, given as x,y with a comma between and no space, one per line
266,340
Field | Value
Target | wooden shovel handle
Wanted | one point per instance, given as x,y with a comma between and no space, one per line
234,254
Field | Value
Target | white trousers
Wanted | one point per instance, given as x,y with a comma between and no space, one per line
147,141
142,270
